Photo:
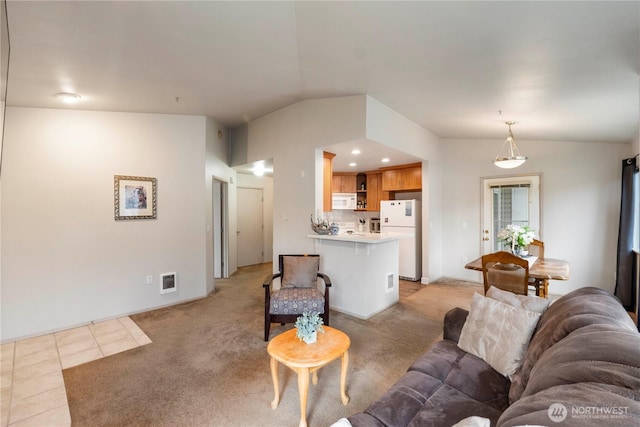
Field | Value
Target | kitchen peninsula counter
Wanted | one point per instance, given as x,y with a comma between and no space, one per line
363,268
360,237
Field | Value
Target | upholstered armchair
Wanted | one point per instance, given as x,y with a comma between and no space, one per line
300,291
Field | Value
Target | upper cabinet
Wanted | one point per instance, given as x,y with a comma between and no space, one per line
344,182
374,190
373,186
402,178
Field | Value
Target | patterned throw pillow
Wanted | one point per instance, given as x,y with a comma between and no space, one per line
300,271
497,333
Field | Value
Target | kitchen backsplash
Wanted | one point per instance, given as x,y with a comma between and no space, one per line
351,216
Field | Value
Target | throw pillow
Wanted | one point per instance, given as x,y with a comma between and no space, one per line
531,303
474,421
300,271
497,333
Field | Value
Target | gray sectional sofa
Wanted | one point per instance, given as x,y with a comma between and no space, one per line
581,367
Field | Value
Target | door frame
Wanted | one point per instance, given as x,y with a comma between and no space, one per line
487,181
220,215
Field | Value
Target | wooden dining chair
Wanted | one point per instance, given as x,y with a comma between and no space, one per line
536,248
505,271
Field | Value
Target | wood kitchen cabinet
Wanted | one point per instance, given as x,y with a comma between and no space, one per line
404,178
327,180
374,190
344,182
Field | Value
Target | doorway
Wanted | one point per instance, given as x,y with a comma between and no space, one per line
220,226
509,200
250,226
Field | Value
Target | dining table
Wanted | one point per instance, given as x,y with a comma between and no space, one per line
540,269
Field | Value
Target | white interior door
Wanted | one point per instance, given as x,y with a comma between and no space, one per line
249,226
509,200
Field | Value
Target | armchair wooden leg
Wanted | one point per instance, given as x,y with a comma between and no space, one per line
267,326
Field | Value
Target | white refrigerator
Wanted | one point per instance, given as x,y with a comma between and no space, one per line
403,216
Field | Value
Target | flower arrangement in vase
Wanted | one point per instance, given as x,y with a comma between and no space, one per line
308,325
516,237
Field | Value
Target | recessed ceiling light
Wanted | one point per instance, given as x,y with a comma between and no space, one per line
355,151
385,160
352,164
68,98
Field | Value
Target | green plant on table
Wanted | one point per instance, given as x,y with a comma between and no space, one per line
307,324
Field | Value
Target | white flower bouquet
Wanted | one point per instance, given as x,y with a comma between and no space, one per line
516,236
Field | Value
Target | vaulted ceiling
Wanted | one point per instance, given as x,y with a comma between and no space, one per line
561,70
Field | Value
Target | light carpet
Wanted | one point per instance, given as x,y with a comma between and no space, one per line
207,364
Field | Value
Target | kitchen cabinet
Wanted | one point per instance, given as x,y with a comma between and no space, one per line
402,178
373,186
374,190
344,182
327,180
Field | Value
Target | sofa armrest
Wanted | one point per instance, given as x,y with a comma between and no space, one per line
453,323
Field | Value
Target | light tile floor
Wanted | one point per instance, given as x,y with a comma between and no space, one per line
31,382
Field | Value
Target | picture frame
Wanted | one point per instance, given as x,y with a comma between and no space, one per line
135,197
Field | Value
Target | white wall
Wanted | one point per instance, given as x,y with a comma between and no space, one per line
216,166
66,261
580,204
293,137
289,136
388,127
265,183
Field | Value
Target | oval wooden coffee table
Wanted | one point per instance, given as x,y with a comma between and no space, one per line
305,359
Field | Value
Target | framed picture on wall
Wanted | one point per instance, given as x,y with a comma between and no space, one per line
135,197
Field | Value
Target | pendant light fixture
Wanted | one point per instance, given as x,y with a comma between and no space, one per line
512,158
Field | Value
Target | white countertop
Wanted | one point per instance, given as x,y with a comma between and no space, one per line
361,237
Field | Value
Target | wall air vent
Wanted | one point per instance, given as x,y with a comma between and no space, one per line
168,283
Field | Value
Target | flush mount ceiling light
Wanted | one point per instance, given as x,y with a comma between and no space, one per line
258,168
355,151
385,160
67,97
512,158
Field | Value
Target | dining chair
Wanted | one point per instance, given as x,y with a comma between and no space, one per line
299,292
536,248
505,271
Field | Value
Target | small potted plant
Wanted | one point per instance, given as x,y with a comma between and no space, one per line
308,325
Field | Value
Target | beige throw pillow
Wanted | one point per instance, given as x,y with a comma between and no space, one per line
531,303
300,271
497,333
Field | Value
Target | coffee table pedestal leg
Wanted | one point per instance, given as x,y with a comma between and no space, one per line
276,387
303,388
343,378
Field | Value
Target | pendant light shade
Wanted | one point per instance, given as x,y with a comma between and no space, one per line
509,158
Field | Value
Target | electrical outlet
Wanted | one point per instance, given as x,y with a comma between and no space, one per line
149,280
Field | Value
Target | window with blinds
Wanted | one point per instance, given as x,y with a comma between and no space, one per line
510,206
